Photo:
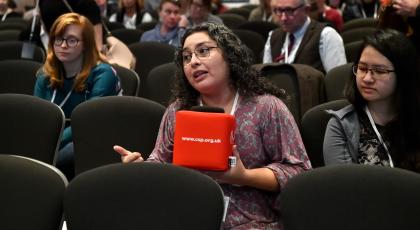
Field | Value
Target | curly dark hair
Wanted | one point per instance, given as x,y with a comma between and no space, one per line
242,76
404,132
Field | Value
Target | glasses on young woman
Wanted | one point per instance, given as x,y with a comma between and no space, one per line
70,42
288,11
200,52
377,73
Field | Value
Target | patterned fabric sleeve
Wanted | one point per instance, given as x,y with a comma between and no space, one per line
164,142
283,143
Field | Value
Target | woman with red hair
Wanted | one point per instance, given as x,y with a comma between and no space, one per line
74,72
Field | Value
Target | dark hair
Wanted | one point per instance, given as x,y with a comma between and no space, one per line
243,77
175,2
206,4
404,131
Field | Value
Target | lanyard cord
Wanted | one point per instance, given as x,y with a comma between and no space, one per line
64,100
235,103
375,13
391,163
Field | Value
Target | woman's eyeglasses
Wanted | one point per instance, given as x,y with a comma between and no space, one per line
288,11
70,42
376,72
200,52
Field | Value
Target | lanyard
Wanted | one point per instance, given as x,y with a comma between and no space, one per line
235,103
8,11
375,13
391,163
64,100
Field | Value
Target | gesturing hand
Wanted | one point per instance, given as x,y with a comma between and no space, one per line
406,7
127,156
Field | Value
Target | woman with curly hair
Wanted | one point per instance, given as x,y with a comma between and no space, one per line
214,69
74,72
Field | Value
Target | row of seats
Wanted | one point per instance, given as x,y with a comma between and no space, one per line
32,127
253,34
296,79
35,196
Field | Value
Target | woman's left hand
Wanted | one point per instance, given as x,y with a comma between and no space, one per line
234,175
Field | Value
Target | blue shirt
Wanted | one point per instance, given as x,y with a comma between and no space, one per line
172,37
102,81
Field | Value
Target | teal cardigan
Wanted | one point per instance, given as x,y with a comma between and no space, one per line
102,81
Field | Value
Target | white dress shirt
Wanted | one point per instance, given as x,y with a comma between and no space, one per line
331,47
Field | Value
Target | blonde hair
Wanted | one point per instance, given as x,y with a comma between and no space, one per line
54,68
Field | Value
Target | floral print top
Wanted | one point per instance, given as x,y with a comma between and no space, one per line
371,151
266,135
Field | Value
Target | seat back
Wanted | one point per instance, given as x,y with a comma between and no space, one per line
351,197
114,25
130,81
18,76
159,83
304,84
261,27
232,20
31,194
313,126
13,24
128,36
149,55
359,23
352,50
336,80
30,127
13,50
356,34
284,76
100,124
242,11
9,35
253,41
145,26
143,196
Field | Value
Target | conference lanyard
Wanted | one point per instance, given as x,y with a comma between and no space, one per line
235,103
375,13
64,100
391,163
8,11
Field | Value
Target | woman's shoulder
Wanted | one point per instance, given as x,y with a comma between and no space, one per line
344,112
103,70
103,67
41,76
268,100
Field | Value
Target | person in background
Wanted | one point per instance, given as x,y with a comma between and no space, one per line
218,7
214,69
51,10
199,11
73,73
321,12
170,28
131,13
411,10
353,9
6,11
381,126
262,12
302,40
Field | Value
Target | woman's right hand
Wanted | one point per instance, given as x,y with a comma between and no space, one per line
127,156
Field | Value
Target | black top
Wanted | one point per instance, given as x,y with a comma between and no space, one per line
52,9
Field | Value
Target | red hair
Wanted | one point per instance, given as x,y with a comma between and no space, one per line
54,68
